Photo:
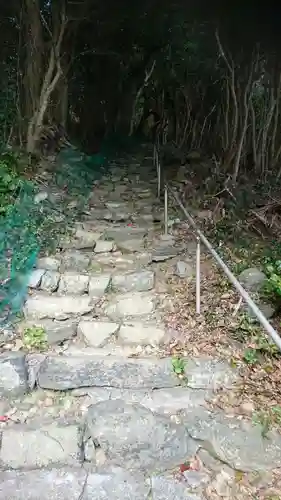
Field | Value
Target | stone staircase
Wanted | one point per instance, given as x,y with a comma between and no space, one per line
99,413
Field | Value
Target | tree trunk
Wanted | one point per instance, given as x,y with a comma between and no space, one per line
34,57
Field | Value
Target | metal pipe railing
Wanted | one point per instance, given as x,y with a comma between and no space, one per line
200,237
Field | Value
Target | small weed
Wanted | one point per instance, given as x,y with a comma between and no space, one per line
35,338
178,365
251,356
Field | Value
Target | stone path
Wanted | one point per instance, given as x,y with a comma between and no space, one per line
98,414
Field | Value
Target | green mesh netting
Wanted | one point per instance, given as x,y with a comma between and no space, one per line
42,213
35,224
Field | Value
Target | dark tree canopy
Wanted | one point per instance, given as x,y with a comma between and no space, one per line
211,68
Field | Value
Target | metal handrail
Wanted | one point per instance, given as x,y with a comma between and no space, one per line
200,237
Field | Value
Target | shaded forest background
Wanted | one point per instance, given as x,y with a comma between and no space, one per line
212,72
95,67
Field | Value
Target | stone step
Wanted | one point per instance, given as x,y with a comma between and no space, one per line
170,401
40,306
115,433
131,305
95,333
72,372
96,285
73,483
118,307
77,369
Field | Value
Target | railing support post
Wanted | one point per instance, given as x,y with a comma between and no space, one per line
198,293
158,176
166,210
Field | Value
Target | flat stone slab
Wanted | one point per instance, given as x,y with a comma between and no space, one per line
132,245
49,263
84,239
45,306
13,374
75,261
125,233
165,488
104,246
163,253
120,262
141,281
207,373
73,483
71,372
236,442
141,333
97,333
132,435
35,278
170,401
99,284
50,281
29,448
73,284
130,305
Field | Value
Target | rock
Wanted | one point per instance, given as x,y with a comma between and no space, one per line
132,435
101,214
97,333
235,442
164,253
141,281
13,374
103,246
141,334
71,372
56,307
252,279
33,363
39,448
184,270
224,483
133,245
268,310
99,284
75,261
122,262
56,484
50,281
208,373
49,263
145,193
120,189
73,284
119,216
169,401
130,304
85,239
114,205
36,278
125,233
167,488
195,478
